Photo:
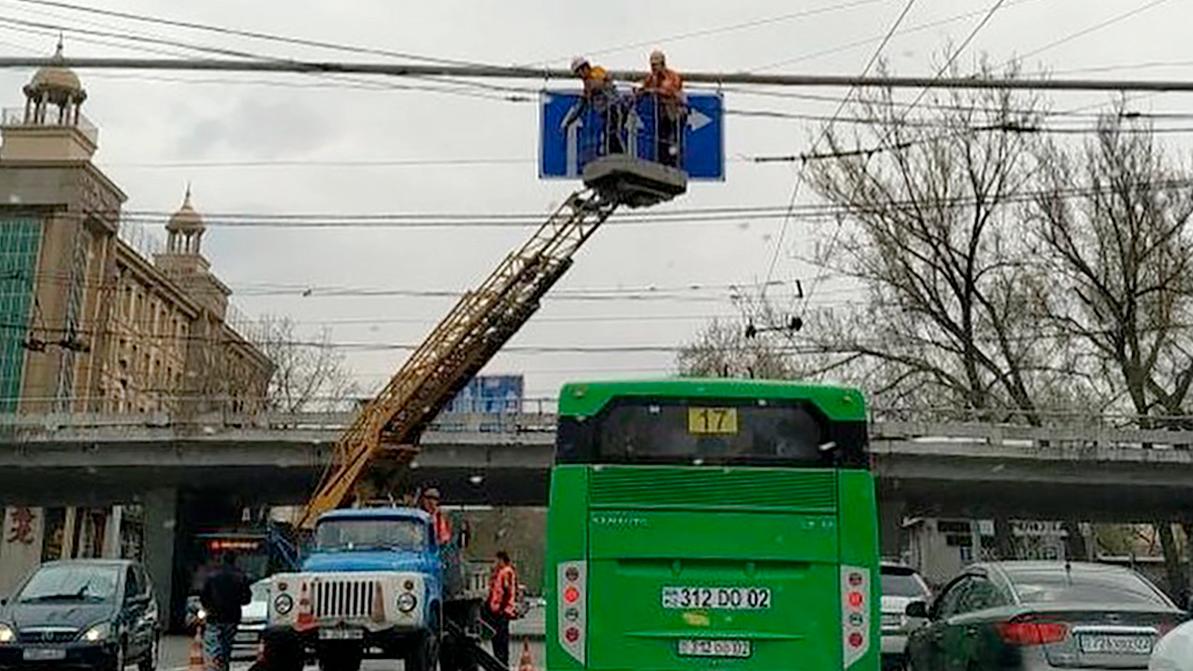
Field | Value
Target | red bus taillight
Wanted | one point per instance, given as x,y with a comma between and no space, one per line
1032,633
571,625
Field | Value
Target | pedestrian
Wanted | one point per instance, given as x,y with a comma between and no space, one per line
429,502
503,606
667,87
600,94
225,591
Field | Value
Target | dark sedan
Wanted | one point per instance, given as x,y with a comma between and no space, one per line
86,613
1039,616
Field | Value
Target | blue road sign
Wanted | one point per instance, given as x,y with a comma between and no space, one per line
561,149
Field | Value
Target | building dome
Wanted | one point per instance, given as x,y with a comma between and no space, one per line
59,83
186,219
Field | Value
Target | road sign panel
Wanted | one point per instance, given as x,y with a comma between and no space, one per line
560,147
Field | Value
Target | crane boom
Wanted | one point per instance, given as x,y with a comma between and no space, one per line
459,347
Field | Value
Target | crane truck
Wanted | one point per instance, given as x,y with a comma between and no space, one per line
378,583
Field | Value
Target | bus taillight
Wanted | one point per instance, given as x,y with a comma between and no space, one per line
855,612
572,620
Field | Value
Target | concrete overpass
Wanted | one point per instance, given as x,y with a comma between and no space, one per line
944,469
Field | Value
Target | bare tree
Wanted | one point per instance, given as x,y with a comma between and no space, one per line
929,229
722,349
310,374
1120,252
929,232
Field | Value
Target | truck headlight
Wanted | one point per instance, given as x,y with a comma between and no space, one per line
283,604
407,602
7,635
99,632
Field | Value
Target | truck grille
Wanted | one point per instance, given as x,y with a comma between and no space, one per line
343,598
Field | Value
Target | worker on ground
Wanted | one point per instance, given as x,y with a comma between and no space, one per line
503,606
667,87
224,592
429,502
600,95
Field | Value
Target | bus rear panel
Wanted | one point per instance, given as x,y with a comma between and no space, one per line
712,525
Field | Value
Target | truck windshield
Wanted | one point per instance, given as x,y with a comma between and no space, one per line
371,534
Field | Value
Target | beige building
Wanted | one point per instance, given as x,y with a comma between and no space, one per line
90,322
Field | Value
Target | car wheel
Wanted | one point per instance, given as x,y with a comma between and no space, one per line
149,662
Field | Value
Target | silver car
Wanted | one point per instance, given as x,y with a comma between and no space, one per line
1174,652
252,621
1041,616
901,585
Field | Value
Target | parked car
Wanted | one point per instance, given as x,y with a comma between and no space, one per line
90,613
1174,652
1035,616
901,585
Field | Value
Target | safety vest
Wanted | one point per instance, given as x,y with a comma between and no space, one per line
668,86
443,528
503,590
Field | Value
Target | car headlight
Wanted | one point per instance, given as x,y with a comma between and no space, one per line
7,635
407,602
283,604
99,632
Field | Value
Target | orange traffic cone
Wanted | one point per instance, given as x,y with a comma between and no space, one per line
527,662
195,663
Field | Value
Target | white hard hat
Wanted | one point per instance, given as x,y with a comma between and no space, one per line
578,62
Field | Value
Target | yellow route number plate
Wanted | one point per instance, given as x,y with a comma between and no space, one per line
712,421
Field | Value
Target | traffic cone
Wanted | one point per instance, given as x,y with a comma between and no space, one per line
195,663
527,662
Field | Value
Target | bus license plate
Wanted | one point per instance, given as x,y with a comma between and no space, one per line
341,634
718,598
703,647
1109,644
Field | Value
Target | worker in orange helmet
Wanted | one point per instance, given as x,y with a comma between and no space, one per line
600,94
429,502
503,604
667,86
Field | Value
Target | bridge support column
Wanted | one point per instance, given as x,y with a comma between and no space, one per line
161,521
891,513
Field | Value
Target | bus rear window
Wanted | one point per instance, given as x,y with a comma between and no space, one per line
701,431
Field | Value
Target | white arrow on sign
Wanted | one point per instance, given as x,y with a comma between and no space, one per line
698,120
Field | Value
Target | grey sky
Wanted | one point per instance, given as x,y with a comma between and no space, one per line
146,120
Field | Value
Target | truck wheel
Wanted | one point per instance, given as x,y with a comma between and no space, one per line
340,658
425,655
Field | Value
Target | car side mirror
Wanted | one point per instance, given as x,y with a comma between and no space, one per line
917,609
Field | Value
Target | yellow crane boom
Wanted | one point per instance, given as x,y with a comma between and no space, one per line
459,347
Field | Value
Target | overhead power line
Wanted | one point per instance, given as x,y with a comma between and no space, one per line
509,72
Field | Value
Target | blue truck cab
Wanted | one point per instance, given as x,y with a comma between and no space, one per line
372,586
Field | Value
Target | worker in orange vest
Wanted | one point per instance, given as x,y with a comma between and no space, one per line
667,86
600,94
429,502
503,604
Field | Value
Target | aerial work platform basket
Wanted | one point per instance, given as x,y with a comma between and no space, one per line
631,149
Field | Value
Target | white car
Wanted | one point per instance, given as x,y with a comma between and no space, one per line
1174,652
252,621
901,585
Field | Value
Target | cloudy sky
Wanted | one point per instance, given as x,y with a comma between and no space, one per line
284,144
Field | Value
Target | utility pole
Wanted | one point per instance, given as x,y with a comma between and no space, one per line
390,69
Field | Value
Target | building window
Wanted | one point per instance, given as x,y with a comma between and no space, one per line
20,242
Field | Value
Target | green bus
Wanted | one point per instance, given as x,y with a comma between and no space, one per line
712,524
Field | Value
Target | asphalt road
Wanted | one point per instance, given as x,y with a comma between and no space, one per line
176,651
